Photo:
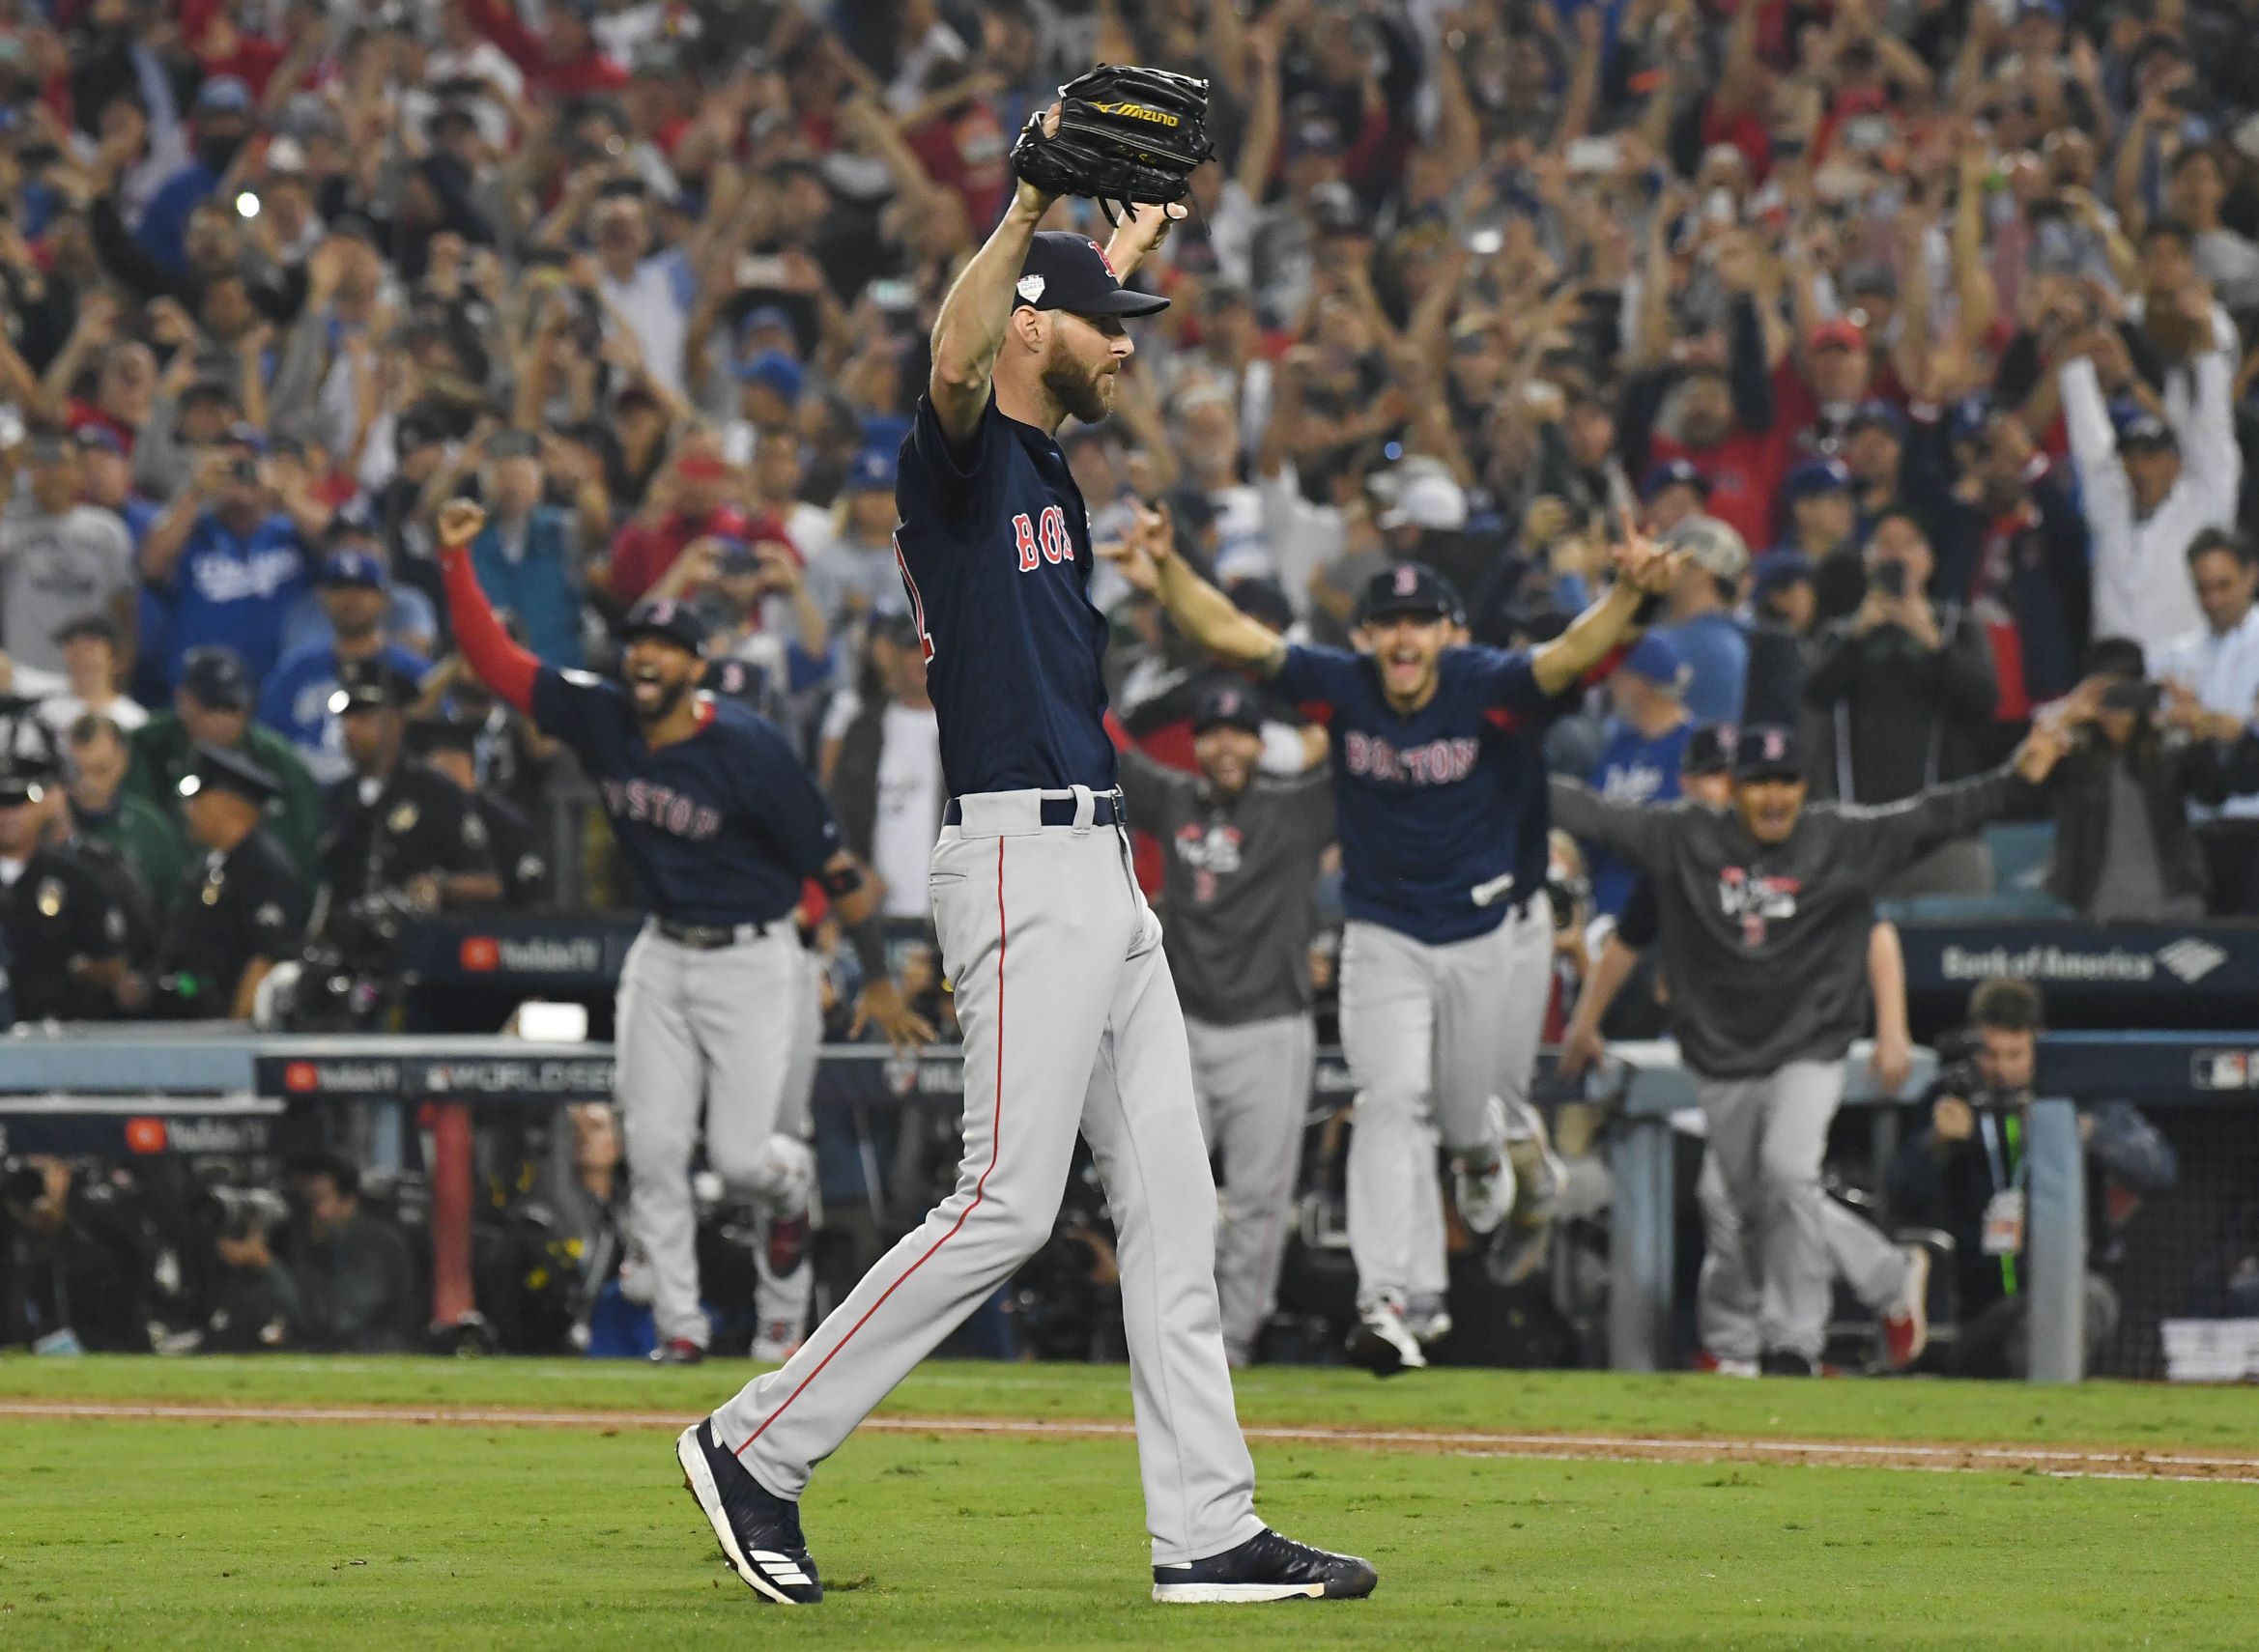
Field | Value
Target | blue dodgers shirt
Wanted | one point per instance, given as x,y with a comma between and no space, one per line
1430,809
1632,769
1716,650
721,828
995,557
295,702
235,591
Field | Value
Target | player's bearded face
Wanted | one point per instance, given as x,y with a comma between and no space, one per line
1406,648
1770,807
1227,755
1083,368
657,676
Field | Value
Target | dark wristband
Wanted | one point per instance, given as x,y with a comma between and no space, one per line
870,948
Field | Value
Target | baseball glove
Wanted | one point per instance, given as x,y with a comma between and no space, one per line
1125,134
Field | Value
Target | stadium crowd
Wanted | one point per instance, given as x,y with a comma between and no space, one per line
1919,324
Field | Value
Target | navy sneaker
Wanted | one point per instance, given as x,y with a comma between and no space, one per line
759,1533
1267,1567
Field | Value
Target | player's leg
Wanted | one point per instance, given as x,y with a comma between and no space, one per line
1490,1010
1032,943
1733,1120
1891,1281
1725,1306
1254,1082
659,1083
1138,1117
783,1271
1797,1277
1387,1036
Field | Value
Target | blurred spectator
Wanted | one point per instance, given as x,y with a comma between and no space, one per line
105,810
408,621
1641,761
853,575
448,742
296,699
351,1270
1783,608
74,1272
91,666
529,554
1821,510
60,559
1967,1175
64,928
255,1303
689,500
212,709
1698,617
882,769
2149,487
1905,684
2124,850
2218,663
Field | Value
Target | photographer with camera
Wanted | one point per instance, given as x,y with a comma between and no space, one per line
350,1268
255,1305
1967,1175
2141,752
1908,687
73,1269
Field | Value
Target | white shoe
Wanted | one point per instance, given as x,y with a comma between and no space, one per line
1485,1197
1382,1342
1427,1319
1906,1329
776,1342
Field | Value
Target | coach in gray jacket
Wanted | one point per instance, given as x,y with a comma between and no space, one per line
1240,855
1765,909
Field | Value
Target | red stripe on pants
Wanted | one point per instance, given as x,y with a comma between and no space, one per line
980,1188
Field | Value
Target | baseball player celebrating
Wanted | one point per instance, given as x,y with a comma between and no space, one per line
1062,989
1445,960
1240,855
1765,913
721,825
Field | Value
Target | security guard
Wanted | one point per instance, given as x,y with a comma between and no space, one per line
65,930
212,708
447,740
396,825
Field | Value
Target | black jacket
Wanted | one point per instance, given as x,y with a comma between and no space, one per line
2172,771
1900,719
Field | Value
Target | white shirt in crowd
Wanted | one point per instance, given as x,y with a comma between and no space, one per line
2222,667
651,306
2141,583
909,808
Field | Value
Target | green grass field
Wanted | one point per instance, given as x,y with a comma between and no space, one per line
204,1534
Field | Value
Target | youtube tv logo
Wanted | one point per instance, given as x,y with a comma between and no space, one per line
481,955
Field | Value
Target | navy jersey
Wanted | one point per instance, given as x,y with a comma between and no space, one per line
995,555
719,828
1433,811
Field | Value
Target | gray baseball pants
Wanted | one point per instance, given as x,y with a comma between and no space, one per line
1070,1022
1771,1231
711,1034
1253,1085
1725,1300
1431,1034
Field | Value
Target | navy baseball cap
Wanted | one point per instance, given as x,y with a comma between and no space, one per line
1969,417
1767,750
1227,705
1263,599
1777,571
369,685
353,568
1068,271
219,769
1674,473
775,370
667,620
1817,475
223,95
872,473
214,675
1408,588
1708,751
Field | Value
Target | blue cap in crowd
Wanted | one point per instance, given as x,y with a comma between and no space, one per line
1674,473
1657,659
1878,414
872,473
223,95
764,318
1817,475
1777,571
353,568
2147,430
776,371
244,434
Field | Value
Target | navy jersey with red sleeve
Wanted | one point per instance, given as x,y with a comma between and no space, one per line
995,557
1432,810
719,828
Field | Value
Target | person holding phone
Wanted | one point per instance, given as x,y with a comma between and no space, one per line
1906,685
2143,751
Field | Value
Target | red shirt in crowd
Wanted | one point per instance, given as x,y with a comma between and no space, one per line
1745,471
641,552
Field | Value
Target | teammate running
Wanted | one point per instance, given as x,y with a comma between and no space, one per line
1239,856
722,825
1891,1280
1765,911
1446,958
1069,1014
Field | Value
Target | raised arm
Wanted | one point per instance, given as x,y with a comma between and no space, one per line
485,646
1642,573
1148,559
969,330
